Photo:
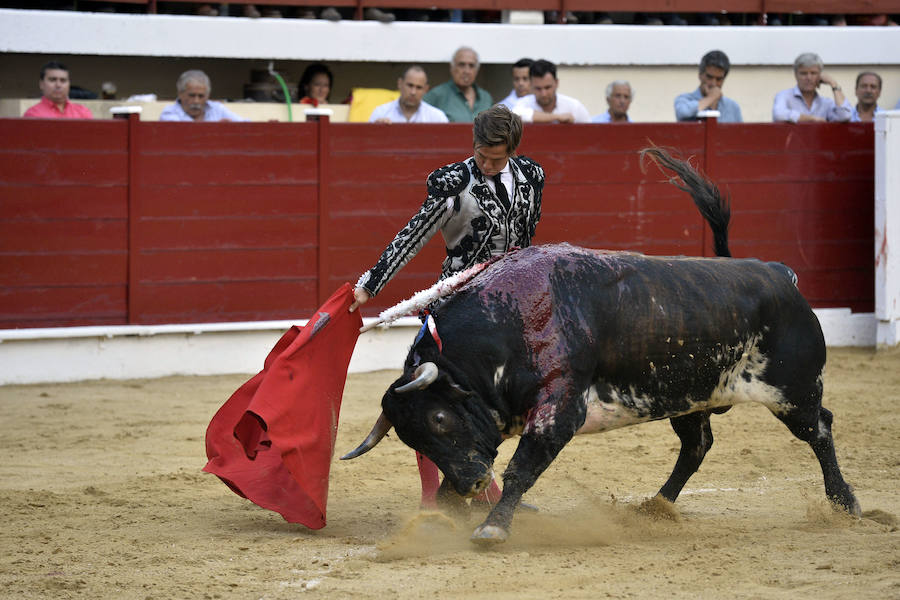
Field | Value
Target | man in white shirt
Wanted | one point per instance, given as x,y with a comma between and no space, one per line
544,104
409,107
521,83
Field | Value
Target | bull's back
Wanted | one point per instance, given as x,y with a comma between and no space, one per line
661,327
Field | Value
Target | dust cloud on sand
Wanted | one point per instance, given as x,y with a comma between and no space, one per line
102,497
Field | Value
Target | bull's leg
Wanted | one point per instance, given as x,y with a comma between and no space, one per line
696,440
815,429
533,455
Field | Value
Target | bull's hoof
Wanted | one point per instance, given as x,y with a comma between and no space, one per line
851,506
487,535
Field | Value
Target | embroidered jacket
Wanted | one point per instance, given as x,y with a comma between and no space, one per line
474,223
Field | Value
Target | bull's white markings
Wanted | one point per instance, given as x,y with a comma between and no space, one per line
741,382
498,375
616,411
542,418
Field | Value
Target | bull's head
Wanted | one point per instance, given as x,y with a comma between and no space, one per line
437,417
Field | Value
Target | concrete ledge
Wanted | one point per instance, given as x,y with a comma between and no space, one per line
134,352
67,32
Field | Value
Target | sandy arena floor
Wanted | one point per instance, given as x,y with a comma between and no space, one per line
102,497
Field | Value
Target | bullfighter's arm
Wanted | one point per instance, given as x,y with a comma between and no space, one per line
443,187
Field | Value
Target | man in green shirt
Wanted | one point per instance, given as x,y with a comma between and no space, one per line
460,98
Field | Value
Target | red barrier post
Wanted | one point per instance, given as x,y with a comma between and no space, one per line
323,227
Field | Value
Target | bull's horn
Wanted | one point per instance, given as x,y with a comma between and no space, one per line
379,430
424,375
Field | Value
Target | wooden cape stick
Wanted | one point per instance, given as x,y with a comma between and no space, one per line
420,300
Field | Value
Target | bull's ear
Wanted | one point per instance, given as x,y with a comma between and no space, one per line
456,391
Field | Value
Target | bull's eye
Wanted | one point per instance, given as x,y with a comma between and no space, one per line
440,421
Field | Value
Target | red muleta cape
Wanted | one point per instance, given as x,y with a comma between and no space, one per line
273,440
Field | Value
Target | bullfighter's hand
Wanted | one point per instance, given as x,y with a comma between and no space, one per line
361,296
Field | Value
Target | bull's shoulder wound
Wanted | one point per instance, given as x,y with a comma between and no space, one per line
449,180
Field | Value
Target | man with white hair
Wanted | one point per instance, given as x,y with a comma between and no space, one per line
461,98
803,103
193,103
618,96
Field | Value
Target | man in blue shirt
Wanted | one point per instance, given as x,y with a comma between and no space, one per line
868,90
714,67
803,103
193,103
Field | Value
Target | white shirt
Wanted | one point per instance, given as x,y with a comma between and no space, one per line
511,100
426,113
506,179
527,105
607,118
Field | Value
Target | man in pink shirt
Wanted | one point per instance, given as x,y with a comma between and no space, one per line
55,103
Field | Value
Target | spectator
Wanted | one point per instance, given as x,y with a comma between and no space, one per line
618,96
521,83
714,67
54,104
803,103
409,107
108,90
544,104
868,90
193,103
315,84
461,98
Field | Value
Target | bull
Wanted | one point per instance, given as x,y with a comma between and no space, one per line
554,341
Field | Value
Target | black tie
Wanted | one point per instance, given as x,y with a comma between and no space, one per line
501,191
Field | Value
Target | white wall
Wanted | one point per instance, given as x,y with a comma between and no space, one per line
66,32
145,53
887,227
129,352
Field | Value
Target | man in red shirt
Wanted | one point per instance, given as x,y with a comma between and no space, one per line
55,103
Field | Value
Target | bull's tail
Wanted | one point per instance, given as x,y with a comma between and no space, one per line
714,207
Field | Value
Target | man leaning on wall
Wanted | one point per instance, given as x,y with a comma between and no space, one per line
618,96
193,103
545,104
409,107
803,102
714,67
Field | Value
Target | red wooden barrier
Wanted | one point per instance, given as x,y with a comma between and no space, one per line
113,222
63,223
